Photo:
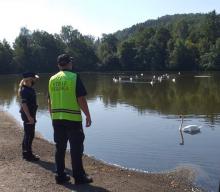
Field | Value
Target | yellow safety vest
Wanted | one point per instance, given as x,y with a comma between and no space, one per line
62,90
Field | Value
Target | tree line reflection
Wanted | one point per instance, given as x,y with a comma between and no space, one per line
188,95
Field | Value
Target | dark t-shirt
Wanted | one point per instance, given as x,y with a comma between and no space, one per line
28,96
80,89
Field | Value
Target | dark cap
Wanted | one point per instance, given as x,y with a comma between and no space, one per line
64,59
30,74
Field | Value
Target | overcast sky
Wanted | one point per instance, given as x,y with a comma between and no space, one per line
92,17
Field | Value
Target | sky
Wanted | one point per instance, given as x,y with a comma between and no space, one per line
90,17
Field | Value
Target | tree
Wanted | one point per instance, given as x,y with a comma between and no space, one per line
161,40
211,60
22,50
68,34
6,56
181,30
211,26
44,50
182,57
80,47
107,49
127,53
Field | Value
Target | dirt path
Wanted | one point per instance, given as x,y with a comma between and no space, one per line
19,175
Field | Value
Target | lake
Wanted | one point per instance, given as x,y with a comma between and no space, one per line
135,123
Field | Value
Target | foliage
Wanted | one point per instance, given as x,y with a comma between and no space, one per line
178,42
6,55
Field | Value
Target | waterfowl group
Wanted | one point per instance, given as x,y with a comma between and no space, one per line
138,77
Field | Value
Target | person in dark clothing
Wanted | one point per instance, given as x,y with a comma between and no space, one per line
28,111
66,100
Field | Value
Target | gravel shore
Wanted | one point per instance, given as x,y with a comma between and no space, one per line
18,175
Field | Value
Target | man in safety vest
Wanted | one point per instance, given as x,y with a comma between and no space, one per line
66,100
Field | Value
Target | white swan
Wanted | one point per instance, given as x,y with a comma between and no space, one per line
115,80
152,82
191,129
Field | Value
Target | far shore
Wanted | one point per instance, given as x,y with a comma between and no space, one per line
19,175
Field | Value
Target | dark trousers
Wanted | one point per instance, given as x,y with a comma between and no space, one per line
29,131
65,131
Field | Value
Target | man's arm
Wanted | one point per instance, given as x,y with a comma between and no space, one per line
84,106
49,104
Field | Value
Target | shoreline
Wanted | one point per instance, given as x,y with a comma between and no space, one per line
20,175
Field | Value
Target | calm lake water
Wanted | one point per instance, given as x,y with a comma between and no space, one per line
136,124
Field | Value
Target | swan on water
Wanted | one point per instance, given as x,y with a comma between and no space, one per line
190,129
115,80
152,82
159,79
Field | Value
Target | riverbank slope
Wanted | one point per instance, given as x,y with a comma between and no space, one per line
18,175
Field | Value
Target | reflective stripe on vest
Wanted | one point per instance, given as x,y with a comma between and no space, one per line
64,105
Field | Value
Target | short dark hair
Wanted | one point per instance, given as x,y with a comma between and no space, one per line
64,59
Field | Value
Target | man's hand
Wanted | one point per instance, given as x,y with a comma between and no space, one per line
84,106
88,121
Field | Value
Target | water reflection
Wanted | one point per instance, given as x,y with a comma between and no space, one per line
8,87
188,95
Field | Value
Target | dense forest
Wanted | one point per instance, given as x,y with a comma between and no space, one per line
186,42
